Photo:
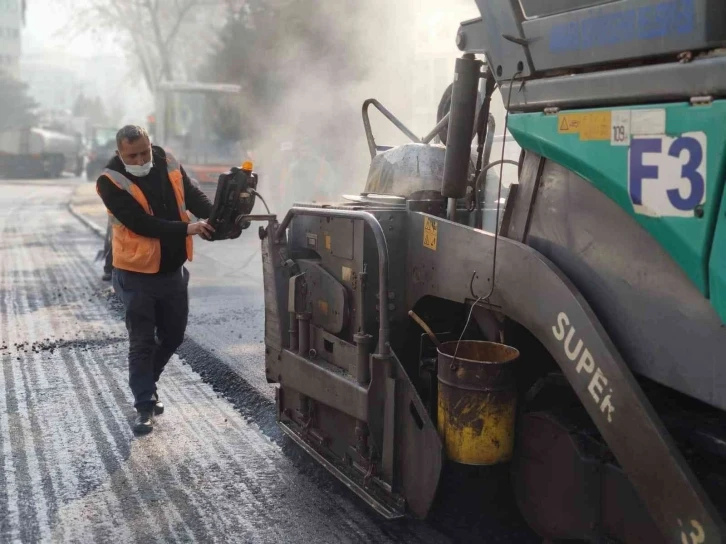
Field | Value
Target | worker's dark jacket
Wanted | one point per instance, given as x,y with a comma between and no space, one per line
166,223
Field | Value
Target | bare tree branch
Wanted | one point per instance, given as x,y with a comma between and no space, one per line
151,30
175,29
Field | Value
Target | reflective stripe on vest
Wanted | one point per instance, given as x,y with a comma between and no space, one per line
122,182
177,182
139,253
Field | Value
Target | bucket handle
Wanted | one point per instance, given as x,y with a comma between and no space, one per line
453,366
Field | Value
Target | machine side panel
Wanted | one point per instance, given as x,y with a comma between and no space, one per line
652,153
561,35
532,291
346,248
543,8
670,81
337,244
500,19
275,281
662,325
624,30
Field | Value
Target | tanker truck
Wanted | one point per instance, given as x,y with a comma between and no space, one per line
578,342
37,152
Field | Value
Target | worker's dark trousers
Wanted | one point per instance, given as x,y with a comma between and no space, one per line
108,248
157,308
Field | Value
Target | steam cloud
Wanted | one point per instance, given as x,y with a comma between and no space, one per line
401,53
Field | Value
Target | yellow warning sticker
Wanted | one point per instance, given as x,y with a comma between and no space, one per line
430,233
596,126
569,123
327,242
347,273
323,305
590,126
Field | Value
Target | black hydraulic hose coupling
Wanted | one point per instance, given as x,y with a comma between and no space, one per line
461,126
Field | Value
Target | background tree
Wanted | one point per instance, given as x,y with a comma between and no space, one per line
163,38
297,61
16,106
92,108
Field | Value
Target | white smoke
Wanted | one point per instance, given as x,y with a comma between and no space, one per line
405,52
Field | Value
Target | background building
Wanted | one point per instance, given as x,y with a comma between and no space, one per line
12,15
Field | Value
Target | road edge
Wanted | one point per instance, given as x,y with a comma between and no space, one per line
83,219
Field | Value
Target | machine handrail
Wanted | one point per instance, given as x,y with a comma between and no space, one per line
480,180
438,128
381,244
392,118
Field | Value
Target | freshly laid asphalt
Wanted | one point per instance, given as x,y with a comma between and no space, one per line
216,467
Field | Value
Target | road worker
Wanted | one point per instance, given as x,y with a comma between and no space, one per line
147,194
305,176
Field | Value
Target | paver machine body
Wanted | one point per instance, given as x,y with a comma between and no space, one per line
605,272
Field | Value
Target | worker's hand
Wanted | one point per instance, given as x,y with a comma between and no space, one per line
202,228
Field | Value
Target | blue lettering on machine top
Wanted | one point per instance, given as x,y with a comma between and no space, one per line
669,18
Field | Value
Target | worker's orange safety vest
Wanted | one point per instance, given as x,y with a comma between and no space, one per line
138,253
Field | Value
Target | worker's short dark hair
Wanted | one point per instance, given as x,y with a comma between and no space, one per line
130,133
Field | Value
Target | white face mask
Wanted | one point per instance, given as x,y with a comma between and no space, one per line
139,170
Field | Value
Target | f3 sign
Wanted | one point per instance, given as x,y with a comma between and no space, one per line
667,176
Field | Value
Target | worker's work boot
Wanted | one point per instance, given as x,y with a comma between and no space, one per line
158,406
106,276
144,422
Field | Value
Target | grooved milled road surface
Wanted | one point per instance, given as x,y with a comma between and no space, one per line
71,469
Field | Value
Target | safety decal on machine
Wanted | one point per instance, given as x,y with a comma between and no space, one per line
569,123
667,175
627,123
592,126
614,126
430,233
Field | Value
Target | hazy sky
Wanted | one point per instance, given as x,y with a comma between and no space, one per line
100,65
83,63
45,22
